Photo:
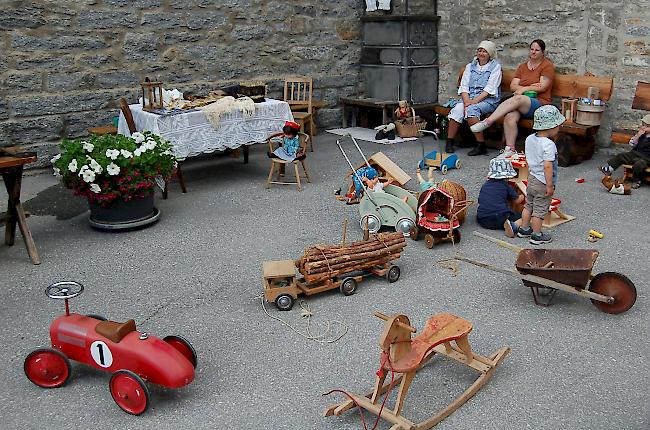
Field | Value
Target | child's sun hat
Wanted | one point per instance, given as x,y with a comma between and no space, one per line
547,117
501,168
646,119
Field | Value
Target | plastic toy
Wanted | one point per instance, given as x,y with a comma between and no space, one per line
395,207
131,356
325,268
439,160
405,356
545,271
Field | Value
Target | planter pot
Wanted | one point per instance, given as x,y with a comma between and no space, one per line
123,215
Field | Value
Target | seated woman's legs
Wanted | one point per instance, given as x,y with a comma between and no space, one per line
474,113
456,117
510,128
516,103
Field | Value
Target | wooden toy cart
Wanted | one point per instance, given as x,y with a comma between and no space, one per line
545,271
405,356
325,268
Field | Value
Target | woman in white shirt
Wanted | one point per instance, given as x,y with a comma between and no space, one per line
479,89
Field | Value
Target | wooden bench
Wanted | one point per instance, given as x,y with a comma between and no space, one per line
575,142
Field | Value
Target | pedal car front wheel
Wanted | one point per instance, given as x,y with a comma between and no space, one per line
47,368
129,392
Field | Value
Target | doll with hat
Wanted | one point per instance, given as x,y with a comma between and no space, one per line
638,156
494,212
290,149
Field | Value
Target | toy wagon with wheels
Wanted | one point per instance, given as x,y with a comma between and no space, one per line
323,268
545,271
438,217
131,356
441,161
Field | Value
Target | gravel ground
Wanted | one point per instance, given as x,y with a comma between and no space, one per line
197,273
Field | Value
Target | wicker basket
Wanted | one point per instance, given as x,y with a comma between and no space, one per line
457,192
410,127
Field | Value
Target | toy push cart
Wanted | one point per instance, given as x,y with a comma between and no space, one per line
440,160
325,268
439,217
547,270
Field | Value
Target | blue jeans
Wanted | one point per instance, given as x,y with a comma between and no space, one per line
534,104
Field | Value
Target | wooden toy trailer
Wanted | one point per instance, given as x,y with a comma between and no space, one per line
325,267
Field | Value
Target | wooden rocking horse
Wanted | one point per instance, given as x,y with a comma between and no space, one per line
406,356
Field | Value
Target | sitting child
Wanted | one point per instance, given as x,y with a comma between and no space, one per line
638,157
290,149
493,211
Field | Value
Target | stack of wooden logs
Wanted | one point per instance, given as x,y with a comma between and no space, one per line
322,262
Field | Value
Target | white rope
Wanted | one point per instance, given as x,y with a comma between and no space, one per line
307,313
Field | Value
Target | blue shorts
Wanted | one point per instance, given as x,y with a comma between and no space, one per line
534,104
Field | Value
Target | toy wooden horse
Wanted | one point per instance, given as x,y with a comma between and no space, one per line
406,356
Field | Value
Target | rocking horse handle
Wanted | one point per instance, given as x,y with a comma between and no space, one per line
386,318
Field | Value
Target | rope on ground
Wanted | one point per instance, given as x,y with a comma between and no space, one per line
450,263
307,313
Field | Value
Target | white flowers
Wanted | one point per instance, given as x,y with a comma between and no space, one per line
55,158
87,146
112,154
139,150
57,171
126,153
86,173
95,188
149,144
73,166
113,169
138,137
97,168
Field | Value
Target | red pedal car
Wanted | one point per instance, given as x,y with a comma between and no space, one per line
131,356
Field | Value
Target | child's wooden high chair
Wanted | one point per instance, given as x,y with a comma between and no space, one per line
275,141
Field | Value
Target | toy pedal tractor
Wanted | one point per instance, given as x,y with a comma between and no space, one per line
132,357
403,355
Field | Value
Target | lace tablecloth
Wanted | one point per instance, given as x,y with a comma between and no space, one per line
192,134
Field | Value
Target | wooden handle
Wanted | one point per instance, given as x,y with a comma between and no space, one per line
386,318
499,242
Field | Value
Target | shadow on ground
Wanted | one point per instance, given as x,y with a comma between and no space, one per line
56,201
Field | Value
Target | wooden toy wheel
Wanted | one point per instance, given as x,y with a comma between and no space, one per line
392,275
129,392
47,368
284,302
443,169
457,164
615,285
348,286
414,233
429,240
456,235
181,345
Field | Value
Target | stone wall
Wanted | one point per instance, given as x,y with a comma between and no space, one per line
606,38
64,63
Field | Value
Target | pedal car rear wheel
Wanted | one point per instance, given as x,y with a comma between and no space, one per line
429,240
129,392
181,345
284,302
47,368
617,286
392,275
348,286
457,164
443,169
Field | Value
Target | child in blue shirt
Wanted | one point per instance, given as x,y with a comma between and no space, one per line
290,149
493,211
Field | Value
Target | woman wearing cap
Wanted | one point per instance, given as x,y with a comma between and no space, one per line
479,89
493,211
532,86
638,157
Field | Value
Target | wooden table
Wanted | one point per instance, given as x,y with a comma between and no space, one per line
354,105
11,168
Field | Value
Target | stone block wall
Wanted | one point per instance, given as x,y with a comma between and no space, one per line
606,38
64,63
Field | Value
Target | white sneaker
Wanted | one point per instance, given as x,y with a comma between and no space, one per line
507,152
479,126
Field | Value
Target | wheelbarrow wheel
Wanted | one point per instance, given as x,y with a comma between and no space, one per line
617,286
429,240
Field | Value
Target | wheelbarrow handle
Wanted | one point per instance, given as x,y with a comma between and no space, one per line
500,242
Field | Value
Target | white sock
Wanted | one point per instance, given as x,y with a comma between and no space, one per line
384,4
371,5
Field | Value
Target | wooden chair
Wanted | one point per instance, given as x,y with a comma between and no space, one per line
404,355
128,117
275,141
298,93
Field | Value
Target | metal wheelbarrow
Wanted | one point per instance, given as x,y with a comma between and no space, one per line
545,271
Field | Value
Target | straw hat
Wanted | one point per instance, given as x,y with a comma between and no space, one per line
547,117
501,168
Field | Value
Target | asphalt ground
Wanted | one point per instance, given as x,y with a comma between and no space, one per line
198,273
